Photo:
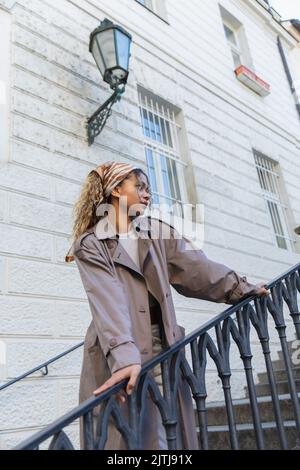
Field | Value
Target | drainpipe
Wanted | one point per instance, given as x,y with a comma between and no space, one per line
288,74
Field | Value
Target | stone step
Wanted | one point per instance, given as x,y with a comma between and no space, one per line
218,436
279,375
217,416
218,430
281,386
279,364
293,353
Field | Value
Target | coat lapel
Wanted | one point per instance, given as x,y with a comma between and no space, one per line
104,230
121,256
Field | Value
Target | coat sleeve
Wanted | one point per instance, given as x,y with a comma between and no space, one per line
193,274
108,305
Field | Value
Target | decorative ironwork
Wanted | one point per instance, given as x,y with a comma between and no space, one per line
61,441
234,325
97,121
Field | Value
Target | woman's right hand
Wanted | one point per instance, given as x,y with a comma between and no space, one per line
262,291
131,372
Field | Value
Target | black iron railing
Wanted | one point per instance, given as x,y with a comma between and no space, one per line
234,324
41,367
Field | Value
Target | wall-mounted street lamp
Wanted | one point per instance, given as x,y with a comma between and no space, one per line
110,47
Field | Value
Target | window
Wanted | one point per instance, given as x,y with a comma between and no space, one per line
5,29
269,180
161,143
158,7
146,3
236,39
232,40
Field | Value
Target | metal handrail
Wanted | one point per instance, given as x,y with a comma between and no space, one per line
44,365
283,288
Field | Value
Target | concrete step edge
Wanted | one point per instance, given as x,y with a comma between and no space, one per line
294,369
246,401
278,382
249,426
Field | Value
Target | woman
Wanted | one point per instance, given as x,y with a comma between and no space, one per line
127,267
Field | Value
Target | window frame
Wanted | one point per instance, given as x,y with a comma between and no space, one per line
156,7
237,27
268,175
150,103
238,50
147,3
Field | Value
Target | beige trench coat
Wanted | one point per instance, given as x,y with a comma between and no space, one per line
117,291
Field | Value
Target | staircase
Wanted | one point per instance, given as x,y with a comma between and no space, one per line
217,416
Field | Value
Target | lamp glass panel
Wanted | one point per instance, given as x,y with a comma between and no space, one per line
123,46
97,56
107,43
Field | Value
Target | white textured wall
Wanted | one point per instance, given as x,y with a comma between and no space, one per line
5,54
55,84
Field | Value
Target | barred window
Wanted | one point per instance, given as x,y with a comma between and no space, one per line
161,143
269,180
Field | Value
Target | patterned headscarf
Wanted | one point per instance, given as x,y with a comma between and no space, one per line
111,174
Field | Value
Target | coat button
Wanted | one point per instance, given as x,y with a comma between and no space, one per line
174,334
144,351
113,342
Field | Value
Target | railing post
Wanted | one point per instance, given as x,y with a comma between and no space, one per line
247,360
275,400
230,411
291,381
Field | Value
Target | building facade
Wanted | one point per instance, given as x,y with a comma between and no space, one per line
205,133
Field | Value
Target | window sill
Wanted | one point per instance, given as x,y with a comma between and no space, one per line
153,12
252,81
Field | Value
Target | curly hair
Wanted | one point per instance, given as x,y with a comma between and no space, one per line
84,210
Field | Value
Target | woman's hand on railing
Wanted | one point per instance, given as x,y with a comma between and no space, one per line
131,372
262,291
